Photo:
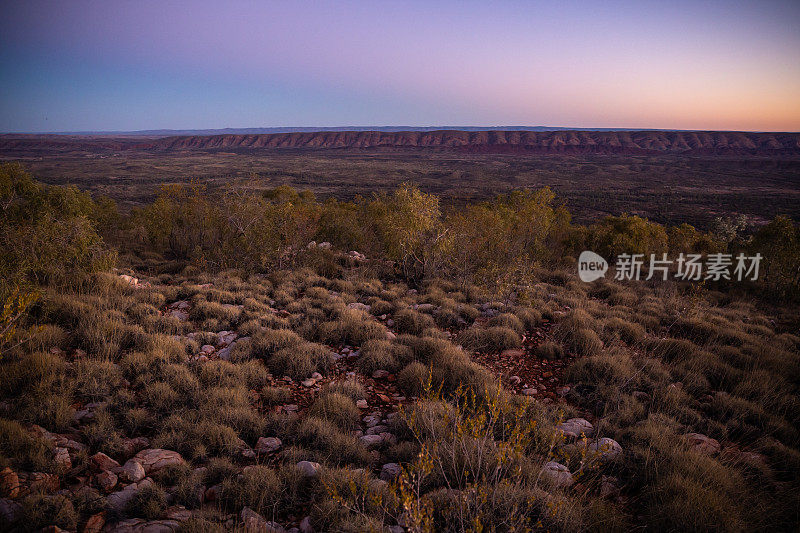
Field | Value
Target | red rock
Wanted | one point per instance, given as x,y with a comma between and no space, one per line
9,483
95,523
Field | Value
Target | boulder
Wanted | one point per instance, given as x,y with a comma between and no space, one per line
390,471
101,461
371,441
702,444
154,459
575,428
305,525
132,471
95,523
138,525
61,458
268,445
255,523
607,449
557,474
106,480
9,510
309,468
117,501
9,483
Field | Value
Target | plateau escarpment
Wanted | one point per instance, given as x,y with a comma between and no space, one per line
557,142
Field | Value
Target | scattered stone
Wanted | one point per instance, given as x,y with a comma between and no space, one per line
291,408
529,392
515,380
255,523
390,471
179,513
9,483
362,404
703,444
132,446
377,429
9,510
308,468
609,487
558,474
575,428
309,383
101,461
372,420
380,374
316,375
42,482
154,459
132,471
371,441
106,480
268,445
138,525
305,525
61,458
117,501
607,448
130,280
95,523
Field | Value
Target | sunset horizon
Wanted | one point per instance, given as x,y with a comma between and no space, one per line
99,66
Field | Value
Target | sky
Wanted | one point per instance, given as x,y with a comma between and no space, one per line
119,65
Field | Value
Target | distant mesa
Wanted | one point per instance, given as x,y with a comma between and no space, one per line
556,142
488,141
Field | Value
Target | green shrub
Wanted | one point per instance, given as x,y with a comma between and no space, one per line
300,361
549,350
40,510
258,487
414,378
492,339
412,322
337,408
383,355
148,502
508,320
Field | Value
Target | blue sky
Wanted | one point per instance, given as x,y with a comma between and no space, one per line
87,65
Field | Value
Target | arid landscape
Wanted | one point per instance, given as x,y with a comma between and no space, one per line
670,177
399,267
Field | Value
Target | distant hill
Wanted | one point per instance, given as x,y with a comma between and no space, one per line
564,141
484,141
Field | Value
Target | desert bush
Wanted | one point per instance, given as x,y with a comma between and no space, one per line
549,350
148,502
412,322
328,444
258,487
383,355
352,327
40,510
300,361
583,342
508,320
414,378
336,408
20,449
492,339
630,332
349,387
